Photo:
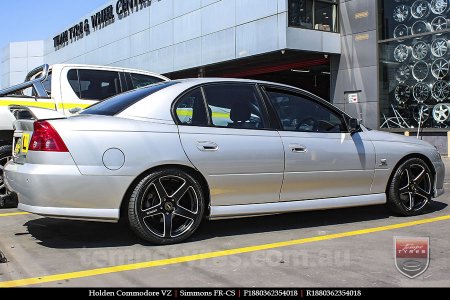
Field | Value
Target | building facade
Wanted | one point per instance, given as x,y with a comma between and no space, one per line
383,61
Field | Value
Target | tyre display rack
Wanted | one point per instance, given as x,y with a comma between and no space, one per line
419,65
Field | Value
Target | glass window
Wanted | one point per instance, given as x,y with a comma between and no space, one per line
141,80
234,106
72,77
414,64
301,13
191,110
314,14
119,103
325,16
298,113
94,84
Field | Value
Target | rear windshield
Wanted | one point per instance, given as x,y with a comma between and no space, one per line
119,103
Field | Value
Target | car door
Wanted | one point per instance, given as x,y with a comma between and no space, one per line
223,130
323,160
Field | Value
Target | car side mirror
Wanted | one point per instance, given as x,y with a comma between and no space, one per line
354,125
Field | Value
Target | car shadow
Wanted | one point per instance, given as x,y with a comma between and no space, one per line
68,234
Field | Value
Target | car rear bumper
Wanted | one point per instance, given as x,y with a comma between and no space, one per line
62,191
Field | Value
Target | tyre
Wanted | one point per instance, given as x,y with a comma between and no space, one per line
166,207
7,200
411,188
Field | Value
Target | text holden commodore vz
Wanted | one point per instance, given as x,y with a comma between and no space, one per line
165,157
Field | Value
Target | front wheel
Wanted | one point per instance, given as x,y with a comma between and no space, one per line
166,207
411,188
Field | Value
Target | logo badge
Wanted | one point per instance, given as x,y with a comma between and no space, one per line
412,255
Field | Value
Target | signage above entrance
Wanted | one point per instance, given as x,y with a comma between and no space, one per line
100,20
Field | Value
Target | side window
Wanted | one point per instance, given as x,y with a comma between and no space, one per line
94,84
234,106
299,113
141,80
190,109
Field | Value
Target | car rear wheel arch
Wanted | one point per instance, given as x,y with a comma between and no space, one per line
191,171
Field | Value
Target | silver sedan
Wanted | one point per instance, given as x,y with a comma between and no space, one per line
166,156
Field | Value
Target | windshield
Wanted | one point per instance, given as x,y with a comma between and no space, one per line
119,103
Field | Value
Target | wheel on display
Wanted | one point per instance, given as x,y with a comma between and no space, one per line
439,47
403,73
402,93
421,113
441,112
400,31
440,68
439,7
420,27
401,13
420,9
439,23
420,70
401,53
419,50
421,92
411,188
440,91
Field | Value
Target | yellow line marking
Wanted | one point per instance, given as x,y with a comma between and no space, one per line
49,105
184,259
14,214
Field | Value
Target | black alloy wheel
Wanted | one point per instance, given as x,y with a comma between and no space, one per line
166,207
411,188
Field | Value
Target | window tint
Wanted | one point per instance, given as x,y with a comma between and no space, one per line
141,80
94,84
299,113
190,109
119,103
234,106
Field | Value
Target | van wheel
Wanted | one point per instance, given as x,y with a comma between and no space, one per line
166,207
411,188
6,199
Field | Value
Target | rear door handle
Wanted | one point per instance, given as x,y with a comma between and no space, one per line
297,148
207,146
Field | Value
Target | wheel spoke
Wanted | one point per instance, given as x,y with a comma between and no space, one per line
422,193
404,190
178,195
160,189
183,212
420,176
168,225
411,201
408,176
152,211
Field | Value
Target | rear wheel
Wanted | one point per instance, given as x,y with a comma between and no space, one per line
166,207
6,198
411,188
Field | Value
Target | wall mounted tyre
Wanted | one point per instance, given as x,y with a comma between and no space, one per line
411,188
166,207
6,199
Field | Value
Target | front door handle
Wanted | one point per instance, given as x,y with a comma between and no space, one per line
207,146
297,148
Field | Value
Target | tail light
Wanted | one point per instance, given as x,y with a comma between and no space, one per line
46,138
